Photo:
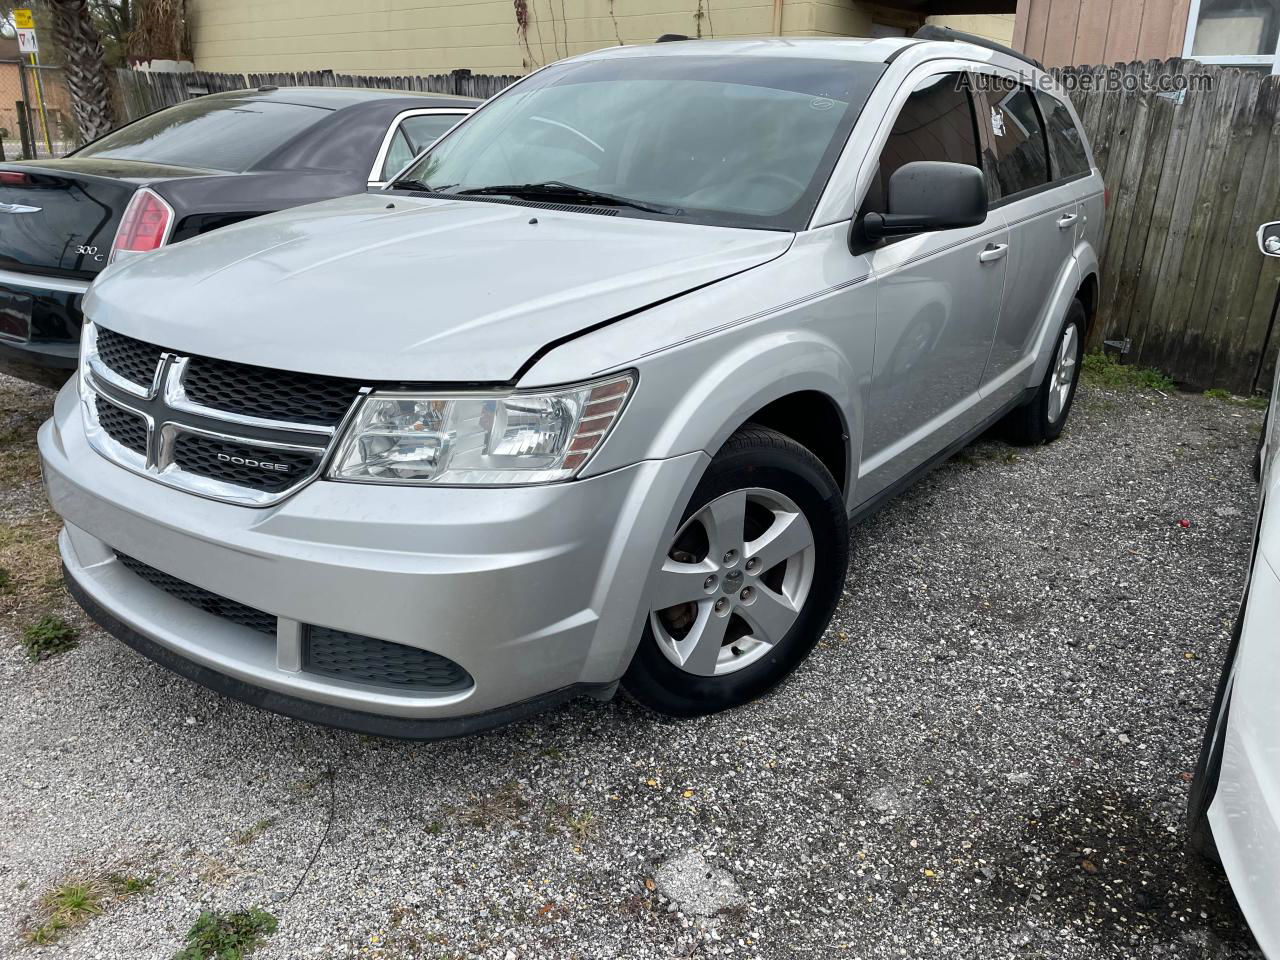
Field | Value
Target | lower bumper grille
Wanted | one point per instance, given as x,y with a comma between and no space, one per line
331,653
349,656
203,599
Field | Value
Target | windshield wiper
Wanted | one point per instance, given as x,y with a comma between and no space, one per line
567,192
411,184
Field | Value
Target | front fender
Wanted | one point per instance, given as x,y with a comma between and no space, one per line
694,398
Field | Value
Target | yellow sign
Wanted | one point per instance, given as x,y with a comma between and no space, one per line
23,20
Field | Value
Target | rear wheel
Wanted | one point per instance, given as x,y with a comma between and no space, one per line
749,581
1041,419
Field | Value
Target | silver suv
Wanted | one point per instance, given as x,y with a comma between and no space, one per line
591,393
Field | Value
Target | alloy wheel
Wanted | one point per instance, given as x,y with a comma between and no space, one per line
1064,372
733,583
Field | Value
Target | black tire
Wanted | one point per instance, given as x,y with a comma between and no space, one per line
1204,782
1030,424
761,458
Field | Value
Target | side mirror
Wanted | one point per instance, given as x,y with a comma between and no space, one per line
930,195
1269,239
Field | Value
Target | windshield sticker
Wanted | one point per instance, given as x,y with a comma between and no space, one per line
997,122
821,103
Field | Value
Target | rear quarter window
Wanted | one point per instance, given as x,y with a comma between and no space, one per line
1067,152
212,134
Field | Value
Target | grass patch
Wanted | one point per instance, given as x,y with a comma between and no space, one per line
48,636
252,833
76,902
1254,402
32,569
1104,370
503,807
227,936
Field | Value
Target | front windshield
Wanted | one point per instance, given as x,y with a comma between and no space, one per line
733,141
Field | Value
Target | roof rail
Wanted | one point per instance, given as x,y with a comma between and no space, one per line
933,32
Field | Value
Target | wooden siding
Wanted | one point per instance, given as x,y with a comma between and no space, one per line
1065,32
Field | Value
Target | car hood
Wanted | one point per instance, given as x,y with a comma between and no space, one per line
387,287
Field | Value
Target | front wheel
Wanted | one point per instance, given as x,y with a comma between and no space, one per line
748,583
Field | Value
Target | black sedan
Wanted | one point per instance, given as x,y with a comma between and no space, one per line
177,173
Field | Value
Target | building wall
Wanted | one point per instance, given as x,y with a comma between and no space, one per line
994,26
1066,32
434,36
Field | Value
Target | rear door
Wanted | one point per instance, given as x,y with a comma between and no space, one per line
1043,215
938,297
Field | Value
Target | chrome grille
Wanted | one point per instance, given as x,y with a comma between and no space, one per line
203,599
132,359
232,432
349,656
274,394
125,428
256,467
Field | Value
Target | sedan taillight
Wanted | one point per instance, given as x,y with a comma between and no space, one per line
144,226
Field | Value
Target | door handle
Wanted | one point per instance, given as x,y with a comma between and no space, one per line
994,252
1066,220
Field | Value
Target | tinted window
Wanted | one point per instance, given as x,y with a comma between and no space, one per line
413,136
1020,157
215,134
936,123
1066,146
743,141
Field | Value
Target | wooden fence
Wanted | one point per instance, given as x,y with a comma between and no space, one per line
142,92
1192,173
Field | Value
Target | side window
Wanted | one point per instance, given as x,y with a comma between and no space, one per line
398,155
413,136
1066,146
936,123
1019,153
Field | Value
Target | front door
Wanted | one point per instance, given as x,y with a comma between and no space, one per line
938,297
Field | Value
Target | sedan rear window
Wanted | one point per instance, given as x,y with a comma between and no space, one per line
213,134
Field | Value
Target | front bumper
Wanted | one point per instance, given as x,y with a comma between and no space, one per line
48,351
537,592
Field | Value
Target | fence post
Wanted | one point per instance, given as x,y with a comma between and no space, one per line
24,131
460,77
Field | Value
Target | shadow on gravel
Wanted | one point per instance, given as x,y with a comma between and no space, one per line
1103,863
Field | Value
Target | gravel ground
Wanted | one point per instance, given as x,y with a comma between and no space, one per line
988,757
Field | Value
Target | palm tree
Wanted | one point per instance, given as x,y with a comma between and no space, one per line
82,61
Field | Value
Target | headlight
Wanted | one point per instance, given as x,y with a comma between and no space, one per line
478,438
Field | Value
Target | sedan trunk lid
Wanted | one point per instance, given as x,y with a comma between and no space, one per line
59,217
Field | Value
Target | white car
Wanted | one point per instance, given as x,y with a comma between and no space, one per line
1235,799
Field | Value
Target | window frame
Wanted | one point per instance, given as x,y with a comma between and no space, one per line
1271,60
375,171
